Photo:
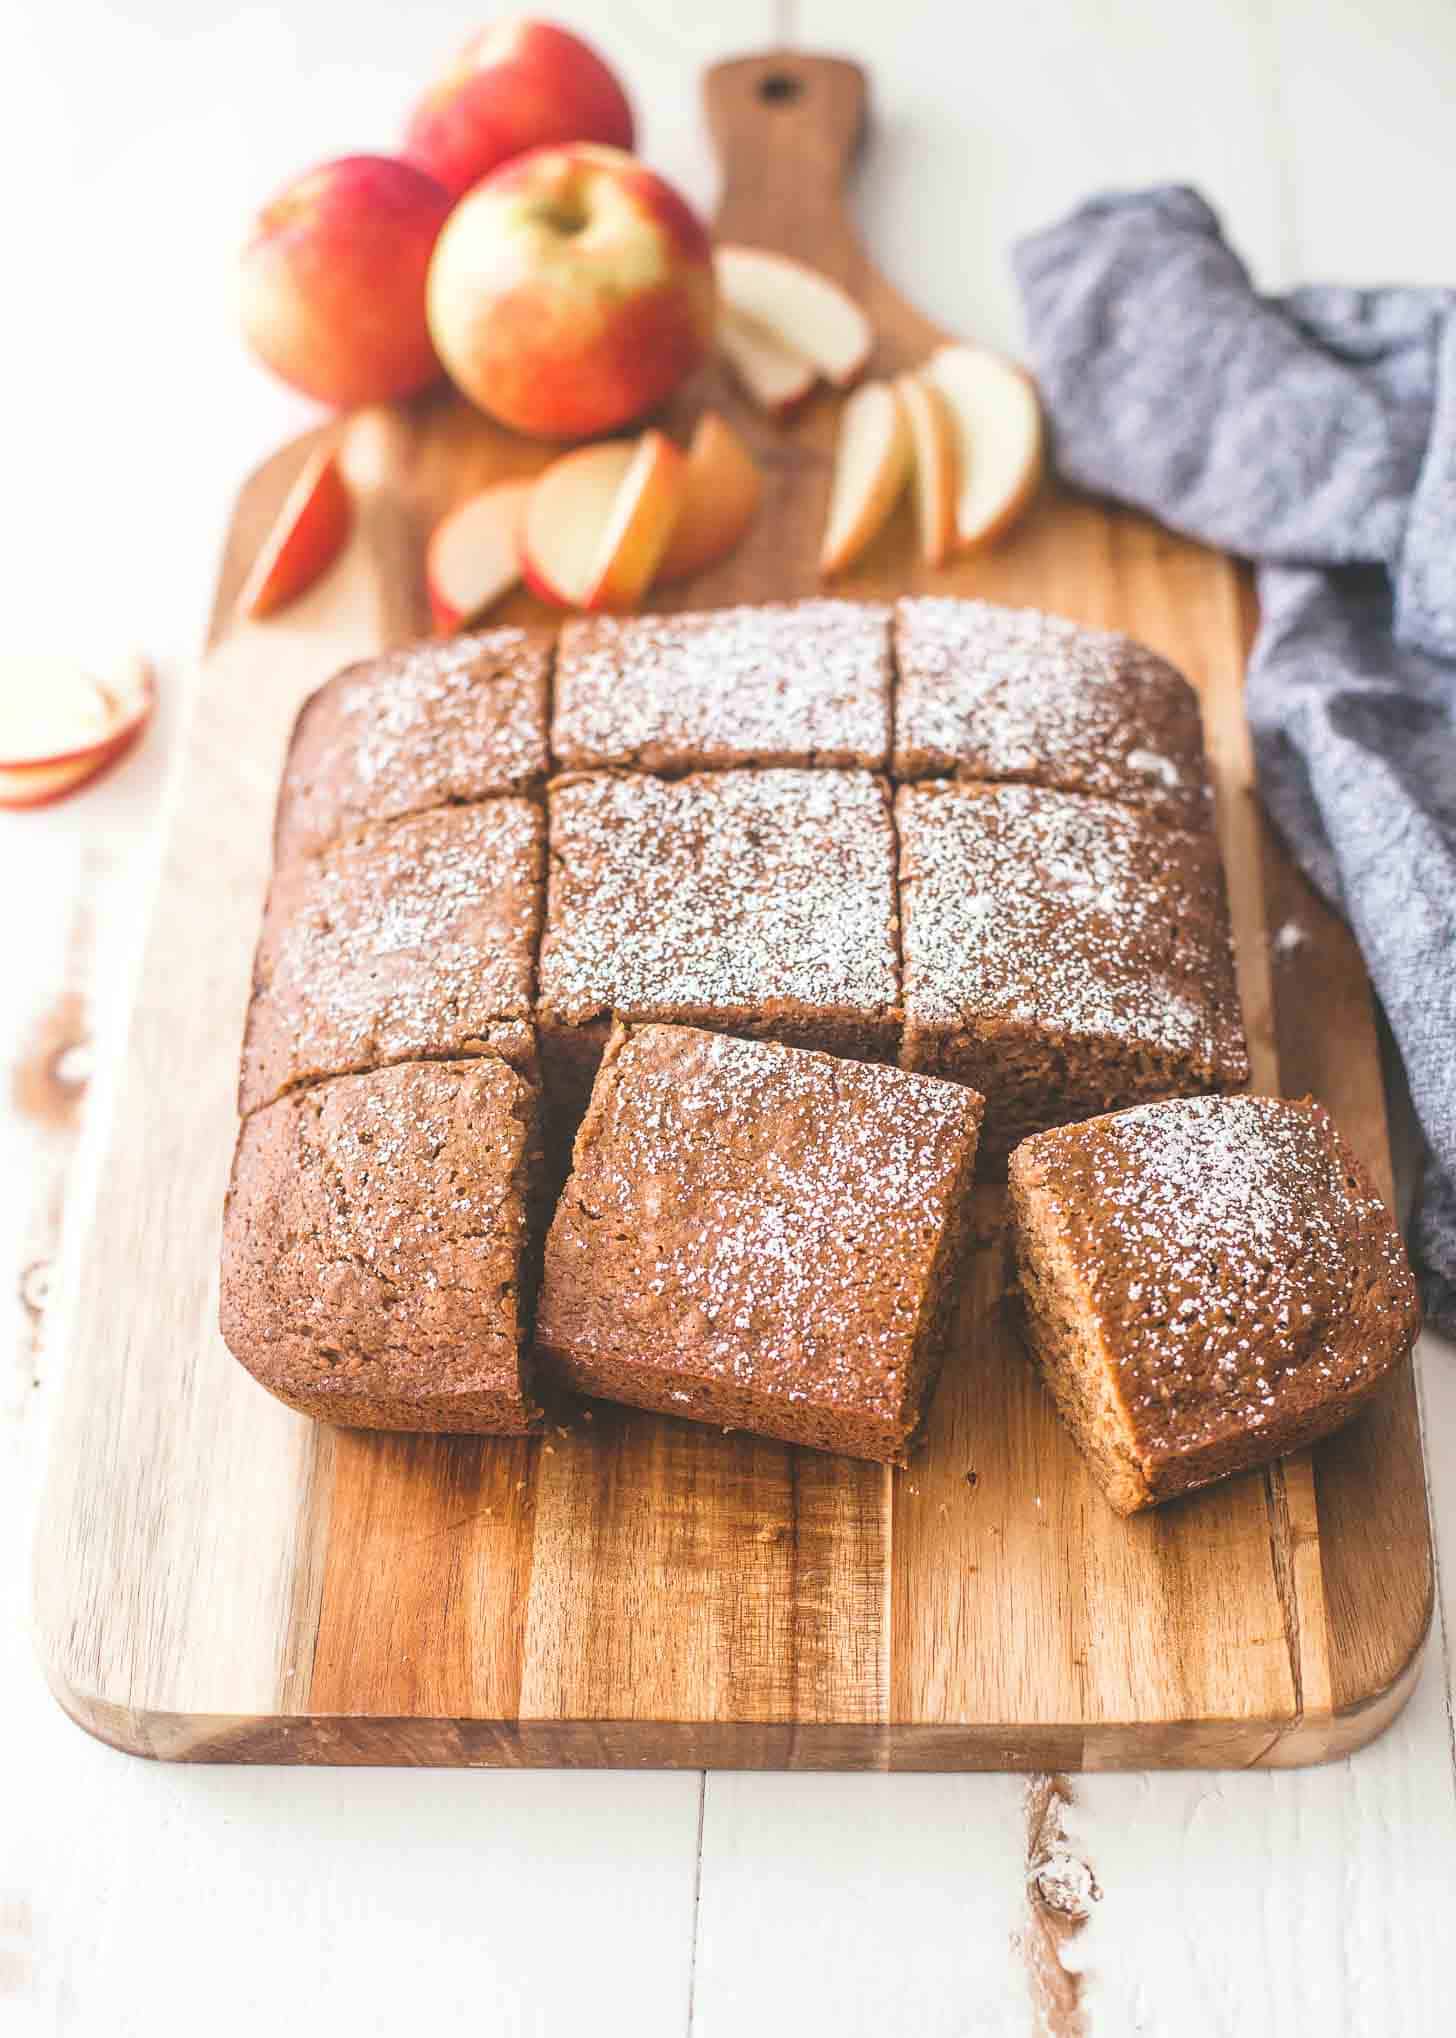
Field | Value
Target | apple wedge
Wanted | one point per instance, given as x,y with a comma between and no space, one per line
598,521
871,464
722,488
806,311
306,539
999,439
474,555
773,375
933,464
61,727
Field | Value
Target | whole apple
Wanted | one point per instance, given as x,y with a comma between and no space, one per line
571,292
333,280
516,85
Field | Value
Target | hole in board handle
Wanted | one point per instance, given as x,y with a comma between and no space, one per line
780,88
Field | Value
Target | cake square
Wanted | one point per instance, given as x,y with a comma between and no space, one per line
1207,1284
754,902
785,683
377,1266
415,941
987,692
760,1237
1063,955
429,726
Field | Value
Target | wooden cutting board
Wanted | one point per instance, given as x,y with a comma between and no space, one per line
220,1580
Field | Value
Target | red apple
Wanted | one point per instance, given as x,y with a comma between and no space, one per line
333,280
598,521
60,727
769,370
474,555
1000,443
306,539
722,488
933,464
872,457
571,291
806,311
516,85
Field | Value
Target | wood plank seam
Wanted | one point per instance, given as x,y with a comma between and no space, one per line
697,1902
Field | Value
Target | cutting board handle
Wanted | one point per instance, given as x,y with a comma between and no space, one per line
786,127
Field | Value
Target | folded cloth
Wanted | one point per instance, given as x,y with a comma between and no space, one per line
1315,435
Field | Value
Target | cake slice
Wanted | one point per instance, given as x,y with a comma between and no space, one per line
1207,1284
986,692
429,726
1063,955
752,902
782,683
377,1265
415,941
760,1237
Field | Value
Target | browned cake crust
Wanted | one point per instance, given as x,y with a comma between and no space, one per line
415,941
802,683
755,902
425,727
1063,955
1208,1284
1011,694
376,1268
761,1238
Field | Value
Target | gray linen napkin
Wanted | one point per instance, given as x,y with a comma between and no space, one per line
1315,435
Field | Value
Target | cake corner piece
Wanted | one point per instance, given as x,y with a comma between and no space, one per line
1207,1284
378,1263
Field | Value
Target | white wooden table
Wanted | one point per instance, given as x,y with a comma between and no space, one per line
141,1899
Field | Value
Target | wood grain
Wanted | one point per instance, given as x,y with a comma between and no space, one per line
221,1580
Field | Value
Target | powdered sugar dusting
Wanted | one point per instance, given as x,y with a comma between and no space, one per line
412,941
436,723
1073,914
724,892
994,693
776,1213
374,1234
1231,1249
795,683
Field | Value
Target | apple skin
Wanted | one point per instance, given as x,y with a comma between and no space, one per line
721,492
572,292
333,280
312,529
42,781
516,85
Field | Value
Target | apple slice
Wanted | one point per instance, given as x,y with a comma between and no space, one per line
777,378
933,446
598,521
871,464
306,539
60,726
999,439
474,555
805,310
722,488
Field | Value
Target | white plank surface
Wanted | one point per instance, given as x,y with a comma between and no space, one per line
136,1898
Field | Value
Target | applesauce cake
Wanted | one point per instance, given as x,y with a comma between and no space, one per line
1207,1284
760,1237
752,902
378,1264
415,941
429,726
986,692
778,683
1063,954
